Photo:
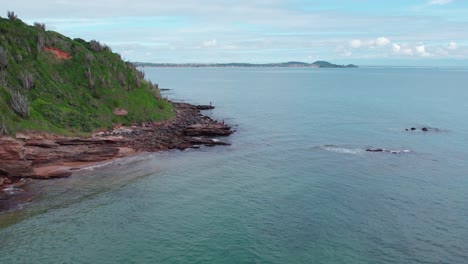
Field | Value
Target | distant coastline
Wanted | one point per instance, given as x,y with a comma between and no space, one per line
292,64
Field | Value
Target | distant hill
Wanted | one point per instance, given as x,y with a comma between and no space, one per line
317,64
326,64
49,82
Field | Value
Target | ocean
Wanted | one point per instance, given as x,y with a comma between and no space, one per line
296,186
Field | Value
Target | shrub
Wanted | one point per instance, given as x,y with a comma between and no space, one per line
122,79
89,57
138,82
96,46
3,59
40,25
3,127
140,74
19,58
89,76
40,42
3,65
27,79
20,104
12,16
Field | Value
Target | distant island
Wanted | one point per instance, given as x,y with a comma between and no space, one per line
317,64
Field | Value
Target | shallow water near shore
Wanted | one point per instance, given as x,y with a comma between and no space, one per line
296,186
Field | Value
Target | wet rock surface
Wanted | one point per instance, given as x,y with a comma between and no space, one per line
42,156
205,107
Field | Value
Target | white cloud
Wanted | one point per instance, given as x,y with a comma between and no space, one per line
382,41
452,46
440,2
355,43
421,51
372,43
408,50
210,43
402,49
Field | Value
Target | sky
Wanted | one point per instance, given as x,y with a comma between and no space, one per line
363,32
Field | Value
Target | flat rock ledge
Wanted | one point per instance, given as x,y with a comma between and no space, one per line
45,156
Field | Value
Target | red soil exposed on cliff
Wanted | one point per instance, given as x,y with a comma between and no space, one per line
59,54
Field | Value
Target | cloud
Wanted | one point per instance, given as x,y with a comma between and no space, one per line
355,43
440,2
452,46
258,30
421,51
409,50
372,43
210,43
382,41
402,49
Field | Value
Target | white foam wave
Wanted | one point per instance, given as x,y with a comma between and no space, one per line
97,166
342,150
12,190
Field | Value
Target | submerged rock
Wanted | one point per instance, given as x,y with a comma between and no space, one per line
425,129
397,151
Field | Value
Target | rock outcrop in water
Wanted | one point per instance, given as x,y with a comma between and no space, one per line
392,151
425,129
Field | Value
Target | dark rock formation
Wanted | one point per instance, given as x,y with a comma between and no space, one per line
215,129
396,151
205,107
425,129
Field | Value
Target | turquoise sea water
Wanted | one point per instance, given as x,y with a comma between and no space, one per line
296,186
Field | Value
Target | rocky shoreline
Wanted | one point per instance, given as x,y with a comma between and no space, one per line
46,156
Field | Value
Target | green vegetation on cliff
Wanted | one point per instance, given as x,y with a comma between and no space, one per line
49,82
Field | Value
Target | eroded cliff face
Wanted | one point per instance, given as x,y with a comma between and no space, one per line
12,159
27,156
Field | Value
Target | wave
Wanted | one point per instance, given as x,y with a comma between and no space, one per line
12,190
342,150
357,151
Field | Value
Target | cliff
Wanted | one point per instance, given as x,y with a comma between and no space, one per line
51,83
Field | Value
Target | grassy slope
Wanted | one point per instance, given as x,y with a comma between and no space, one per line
63,99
